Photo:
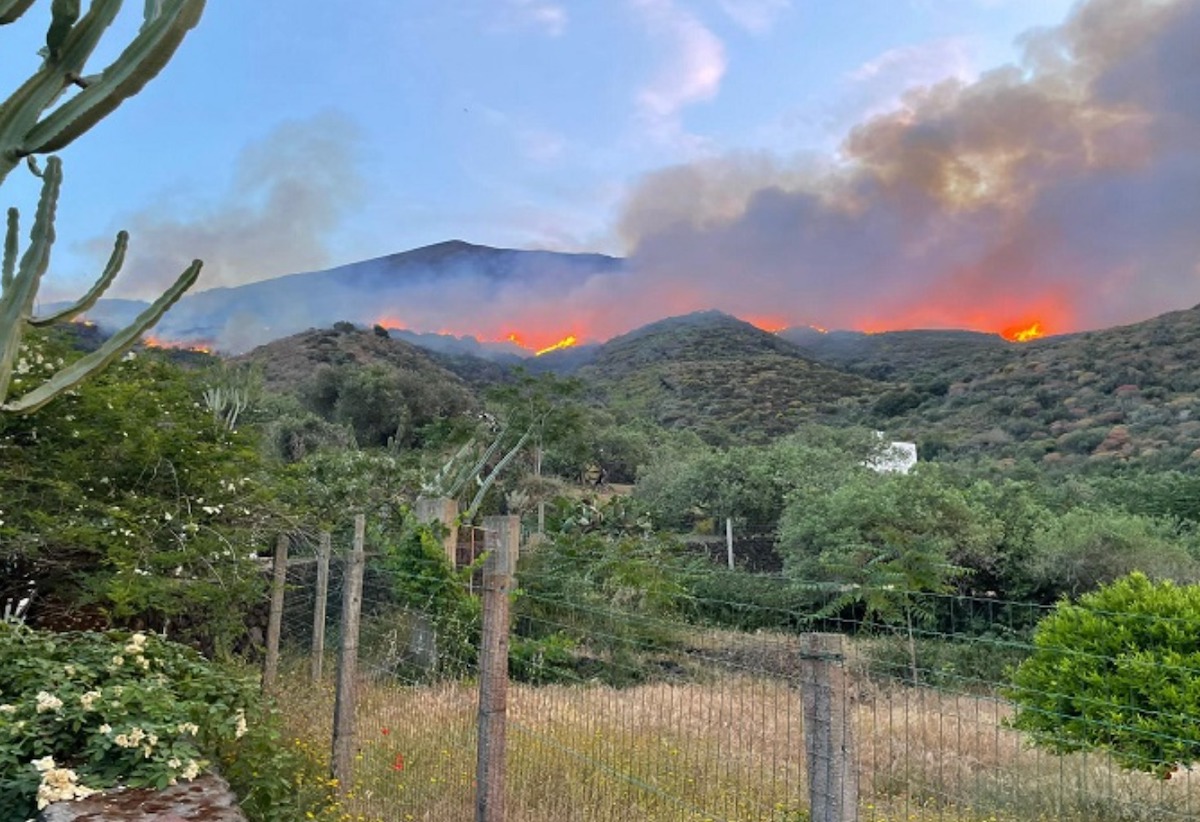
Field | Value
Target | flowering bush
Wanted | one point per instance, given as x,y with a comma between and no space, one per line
126,496
83,712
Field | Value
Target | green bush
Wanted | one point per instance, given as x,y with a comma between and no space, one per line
1117,671
84,712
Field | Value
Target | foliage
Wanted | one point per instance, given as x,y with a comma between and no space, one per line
128,497
686,481
905,525
1086,547
422,581
1117,670
613,595
27,129
113,709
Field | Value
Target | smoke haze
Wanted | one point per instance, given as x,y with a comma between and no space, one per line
289,192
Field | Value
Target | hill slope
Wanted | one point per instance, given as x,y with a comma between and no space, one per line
719,376
1126,395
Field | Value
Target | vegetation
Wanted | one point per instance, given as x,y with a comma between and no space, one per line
1116,670
83,712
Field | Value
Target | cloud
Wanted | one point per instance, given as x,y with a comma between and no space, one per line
289,193
1063,188
756,16
692,73
542,15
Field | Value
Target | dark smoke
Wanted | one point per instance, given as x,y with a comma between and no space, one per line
1066,187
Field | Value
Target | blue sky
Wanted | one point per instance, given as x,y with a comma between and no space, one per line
291,136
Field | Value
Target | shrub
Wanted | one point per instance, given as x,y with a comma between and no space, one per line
1117,671
83,712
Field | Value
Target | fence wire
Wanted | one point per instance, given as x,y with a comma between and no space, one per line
619,711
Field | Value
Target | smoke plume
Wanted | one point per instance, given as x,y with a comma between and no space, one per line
288,194
1064,189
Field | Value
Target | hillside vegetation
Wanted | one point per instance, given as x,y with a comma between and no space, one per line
719,376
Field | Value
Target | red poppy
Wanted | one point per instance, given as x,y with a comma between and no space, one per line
385,731
398,765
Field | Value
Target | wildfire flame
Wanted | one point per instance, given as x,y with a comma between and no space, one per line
1023,333
565,342
200,347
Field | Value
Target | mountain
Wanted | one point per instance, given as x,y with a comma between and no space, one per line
396,289
715,374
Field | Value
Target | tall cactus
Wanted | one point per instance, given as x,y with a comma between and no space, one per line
29,126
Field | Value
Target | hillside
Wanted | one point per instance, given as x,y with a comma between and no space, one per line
1120,396
901,355
719,376
384,390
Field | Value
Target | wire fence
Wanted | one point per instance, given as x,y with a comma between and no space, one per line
716,709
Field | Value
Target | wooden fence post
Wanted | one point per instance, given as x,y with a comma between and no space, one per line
829,755
501,536
275,620
318,637
347,675
429,510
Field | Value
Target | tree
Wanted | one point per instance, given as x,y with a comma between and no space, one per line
888,541
1117,670
35,120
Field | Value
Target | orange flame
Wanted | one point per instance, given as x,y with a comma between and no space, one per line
565,342
1026,333
772,325
199,346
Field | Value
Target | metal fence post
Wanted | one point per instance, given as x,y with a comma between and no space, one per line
275,620
829,755
344,704
501,536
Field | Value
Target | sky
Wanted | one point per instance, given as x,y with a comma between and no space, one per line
863,163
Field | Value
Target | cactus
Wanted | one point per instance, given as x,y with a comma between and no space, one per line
70,41
27,130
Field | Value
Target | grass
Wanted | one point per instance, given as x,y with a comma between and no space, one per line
728,748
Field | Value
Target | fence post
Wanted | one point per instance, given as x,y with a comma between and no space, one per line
275,620
500,539
444,510
318,637
344,703
729,540
829,754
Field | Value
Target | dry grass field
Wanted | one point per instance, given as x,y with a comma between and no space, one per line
730,748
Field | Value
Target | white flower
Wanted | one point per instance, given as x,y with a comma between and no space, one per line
8,709
44,764
167,516
106,728
173,763
58,784
88,699
191,771
241,728
189,728
48,703
118,660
